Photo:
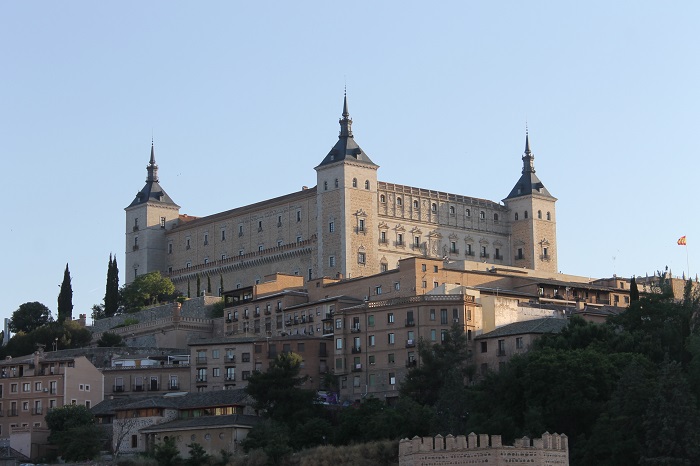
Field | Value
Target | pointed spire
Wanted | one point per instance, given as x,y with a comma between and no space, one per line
152,167
346,121
528,158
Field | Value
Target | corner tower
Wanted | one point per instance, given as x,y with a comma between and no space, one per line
533,219
148,217
346,206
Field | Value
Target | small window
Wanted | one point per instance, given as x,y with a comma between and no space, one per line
525,215
361,225
260,248
366,184
354,182
399,201
415,204
468,212
325,185
223,235
549,216
206,238
482,215
423,267
495,217
484,347
162,222
452,210
516,216
298,215
433,207
331,227
378,289
539,214
331,261
382,199
170,248
361,258
391,339
336,182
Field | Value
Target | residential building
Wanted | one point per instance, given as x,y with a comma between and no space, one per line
31,386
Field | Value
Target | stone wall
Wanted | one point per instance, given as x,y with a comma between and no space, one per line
550,450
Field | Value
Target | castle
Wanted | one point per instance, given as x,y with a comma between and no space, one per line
349,225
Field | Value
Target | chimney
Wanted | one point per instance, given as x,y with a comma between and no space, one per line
82,319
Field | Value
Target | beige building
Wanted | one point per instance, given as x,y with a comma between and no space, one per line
31,386
350,224
146,374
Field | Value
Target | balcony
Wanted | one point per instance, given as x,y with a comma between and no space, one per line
416,247
484,255
410,323
174,386
135,247
469,253
138,388
454,251
230,378
12,413
230,358
268,312
410,343
411,363
498,257
201,379
37,411
355,328
545,257
201,359
118,388
383,241
357,368
356,349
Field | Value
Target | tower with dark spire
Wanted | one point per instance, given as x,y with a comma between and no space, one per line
346,202
533,217
149,215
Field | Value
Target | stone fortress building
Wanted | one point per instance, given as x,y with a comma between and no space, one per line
349,225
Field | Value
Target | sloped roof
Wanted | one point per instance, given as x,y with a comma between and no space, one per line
346,148
152,192
538,326
528,183
204,421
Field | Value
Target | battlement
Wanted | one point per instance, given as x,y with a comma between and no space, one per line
484,449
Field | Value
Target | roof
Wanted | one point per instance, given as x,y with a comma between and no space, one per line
152,192
184,400
528,183
346,148
205,421
538,326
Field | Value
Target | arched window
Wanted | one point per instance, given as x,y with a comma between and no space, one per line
526,214
516,215
539,214
433,207
415,204
452,210
549,216
495,217
468,212
354,182
325,185
398,201
482,215
366,184
382,199
336,182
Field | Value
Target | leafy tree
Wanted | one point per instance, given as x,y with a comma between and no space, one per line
29,317
69,335
166,453
111,299
198,456
278,393
74,431
146,289
98,312
65,299
270,436
440,363
634,291
109,339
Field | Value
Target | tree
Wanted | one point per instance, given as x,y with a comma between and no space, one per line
166,453
199,286
278,393
198,456
189,294
146,289
221,285
111,299
440,363
634,291
29,317
74,431
208,284
65,299
109,339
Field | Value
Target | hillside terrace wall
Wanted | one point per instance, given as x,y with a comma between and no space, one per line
473,450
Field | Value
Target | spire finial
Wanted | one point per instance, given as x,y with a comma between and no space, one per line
152,167
346,121
528,158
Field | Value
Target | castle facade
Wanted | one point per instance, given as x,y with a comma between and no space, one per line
349,225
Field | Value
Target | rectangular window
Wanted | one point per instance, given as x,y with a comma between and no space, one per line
484,347
339,363
390,358
206,238
361,226
216,372
331,261
370,340
331,227
399,239
390,318
382,237
338,343
170,248
134,441
378,290
443,316
223,235
298,215
240,230
392,378
433,335
370,321
162,222
361,258
245,357
391,339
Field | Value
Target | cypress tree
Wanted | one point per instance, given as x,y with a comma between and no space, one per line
65,299
112,288
199,286
221,285
189,295
634,291
208,284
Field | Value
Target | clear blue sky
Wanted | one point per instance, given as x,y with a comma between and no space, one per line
439,94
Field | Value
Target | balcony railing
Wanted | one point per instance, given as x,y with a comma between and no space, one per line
545,257
357,368
231,358
230,378
484,255
118,388
201,359
410,323
201,378
411,363
469,253
174,386
37,411
498,257
138,388
12,412
355,328
356,349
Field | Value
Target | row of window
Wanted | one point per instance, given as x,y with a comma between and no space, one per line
38,387
539,215
336,184
434,208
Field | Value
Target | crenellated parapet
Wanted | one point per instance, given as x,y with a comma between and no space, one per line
484,449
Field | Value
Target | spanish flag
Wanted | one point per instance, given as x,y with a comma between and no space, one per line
681,241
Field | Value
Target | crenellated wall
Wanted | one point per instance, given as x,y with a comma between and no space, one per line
487,450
